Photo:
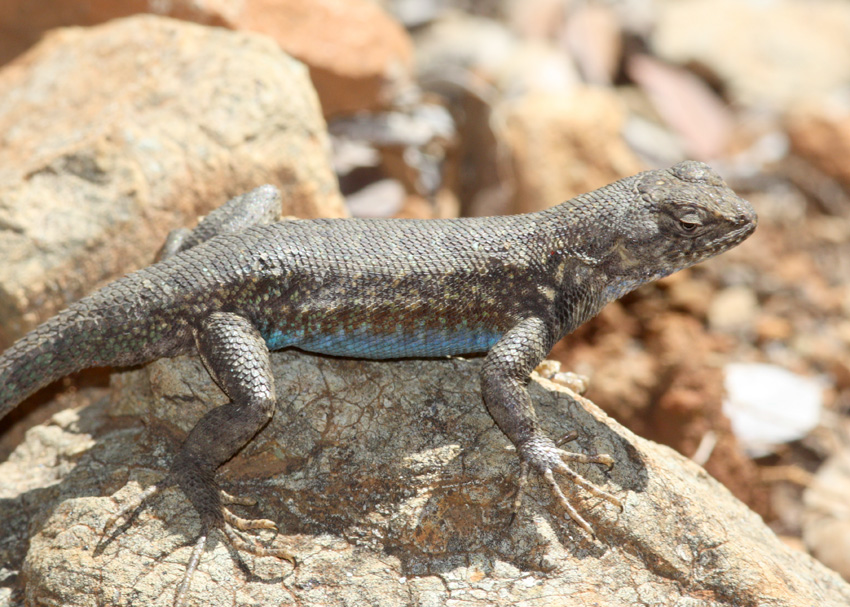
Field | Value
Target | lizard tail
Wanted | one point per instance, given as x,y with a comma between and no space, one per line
89,333
57,348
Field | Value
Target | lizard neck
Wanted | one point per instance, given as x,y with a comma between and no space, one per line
588,262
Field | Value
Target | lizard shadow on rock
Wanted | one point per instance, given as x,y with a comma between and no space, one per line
410,444
403,450
82,450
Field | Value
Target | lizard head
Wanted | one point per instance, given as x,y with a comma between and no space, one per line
684,215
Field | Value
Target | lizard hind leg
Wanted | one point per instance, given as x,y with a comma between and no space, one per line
237,358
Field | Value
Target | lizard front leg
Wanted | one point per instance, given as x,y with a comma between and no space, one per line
504,378
260,206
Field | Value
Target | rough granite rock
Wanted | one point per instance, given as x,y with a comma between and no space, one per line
98,164
392,486
356,52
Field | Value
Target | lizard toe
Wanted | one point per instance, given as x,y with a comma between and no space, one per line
253,546
247,524
542,455
580,458
565,503
588,486
227,498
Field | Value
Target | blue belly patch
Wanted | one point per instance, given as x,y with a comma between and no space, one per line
363,342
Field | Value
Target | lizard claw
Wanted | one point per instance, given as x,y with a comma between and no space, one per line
247,524
565,503
585,484
546,458
232,522
253,546
228,524
237,542
567,438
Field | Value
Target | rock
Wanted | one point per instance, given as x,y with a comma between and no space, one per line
654,370
360,58
565,144
392,486
826,517
382,198
733,309
774,328
484,56
97,165
688,293
356,52
687,105
534,19
477,63
595,39
820,133
765,54
686,405
412,144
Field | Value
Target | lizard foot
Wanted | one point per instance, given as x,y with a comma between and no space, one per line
129,509
545,458
227,522
228,525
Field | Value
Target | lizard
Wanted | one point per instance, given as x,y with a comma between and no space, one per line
242,284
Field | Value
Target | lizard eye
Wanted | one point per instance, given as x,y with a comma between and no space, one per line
690,223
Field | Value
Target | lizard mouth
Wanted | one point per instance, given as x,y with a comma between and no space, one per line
734,237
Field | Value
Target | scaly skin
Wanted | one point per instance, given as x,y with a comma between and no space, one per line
507,286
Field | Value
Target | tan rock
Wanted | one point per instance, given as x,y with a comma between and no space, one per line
96,165
733,309
820,133
357,54
24,22
392,486
565,144
478,53
770,327
594,37
826,516
688,293
359,57
765,53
